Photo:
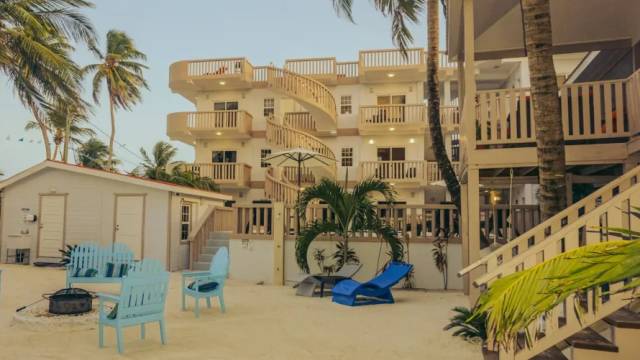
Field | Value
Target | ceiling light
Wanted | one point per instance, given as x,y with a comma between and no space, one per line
222,83
391,75
218,133
412,140
371,141
392,129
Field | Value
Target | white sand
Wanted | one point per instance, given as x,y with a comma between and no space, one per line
261,322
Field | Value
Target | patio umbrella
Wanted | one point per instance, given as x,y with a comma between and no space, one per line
296,157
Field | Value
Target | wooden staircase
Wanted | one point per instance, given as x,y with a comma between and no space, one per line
579,225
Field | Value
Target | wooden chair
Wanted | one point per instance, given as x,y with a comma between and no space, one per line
217,273
141,300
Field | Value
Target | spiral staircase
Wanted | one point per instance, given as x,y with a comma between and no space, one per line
296,130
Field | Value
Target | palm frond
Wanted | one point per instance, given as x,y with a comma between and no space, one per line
306,236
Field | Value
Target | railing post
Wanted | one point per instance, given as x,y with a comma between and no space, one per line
278,243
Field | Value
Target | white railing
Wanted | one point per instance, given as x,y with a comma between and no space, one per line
279,190
238,174
313,66
212,120
391,58
214,219
593,110
381,115
299,121
444,62
450,117
395,171
218,67
347,70
288,138
433,173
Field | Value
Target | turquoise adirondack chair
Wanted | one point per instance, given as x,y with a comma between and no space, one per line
141,300
217,272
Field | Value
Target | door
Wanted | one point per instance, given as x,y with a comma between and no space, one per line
393,111
51,225
129,222
393,167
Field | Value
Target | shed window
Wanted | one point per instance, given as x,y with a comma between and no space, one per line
185,221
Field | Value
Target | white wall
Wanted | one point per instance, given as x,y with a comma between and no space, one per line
89,215
253,262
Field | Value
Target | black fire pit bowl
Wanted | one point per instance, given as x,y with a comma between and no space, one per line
70,301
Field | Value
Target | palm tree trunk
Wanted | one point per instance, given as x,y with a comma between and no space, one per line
113,131
546,107
67,138
433,95
55,151
45,134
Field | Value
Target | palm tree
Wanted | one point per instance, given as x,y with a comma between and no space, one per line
467,325
66,120
155,166
546,107
354,212
34,52
402,12
122,73
94,154
513,302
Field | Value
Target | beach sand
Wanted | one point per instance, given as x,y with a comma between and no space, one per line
261,322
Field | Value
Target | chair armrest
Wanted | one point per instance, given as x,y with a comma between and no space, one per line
188,274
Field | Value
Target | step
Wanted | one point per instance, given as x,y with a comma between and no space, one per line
210,249
552,353
217,243
588,339
224,235
205,258
199,265
624,318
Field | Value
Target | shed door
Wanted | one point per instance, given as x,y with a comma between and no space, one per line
129,222
52,221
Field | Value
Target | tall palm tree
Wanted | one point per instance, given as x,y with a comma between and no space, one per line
65,120
354,212
401,13
546,107
155,166
122,72
94,154
34,51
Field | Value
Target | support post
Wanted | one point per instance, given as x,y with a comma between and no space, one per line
278,243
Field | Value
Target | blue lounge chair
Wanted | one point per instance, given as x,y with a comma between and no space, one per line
375,291
141,300
207,284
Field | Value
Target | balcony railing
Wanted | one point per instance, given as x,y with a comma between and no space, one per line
347,70
391,58
392,116
223,174
299,121
312,66
218,123
595,110
450,117
197,74
409,171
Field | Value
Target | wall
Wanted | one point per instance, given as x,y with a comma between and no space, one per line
90,211
253,262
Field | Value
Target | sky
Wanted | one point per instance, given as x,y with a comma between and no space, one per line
169,30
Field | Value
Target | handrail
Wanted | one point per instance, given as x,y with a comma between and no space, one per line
277,190
212,120
387,58
496,260
200,233
312,66
304,88
374,115
223,173
299,120
279,135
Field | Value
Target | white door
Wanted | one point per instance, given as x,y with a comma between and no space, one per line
129,222
51,232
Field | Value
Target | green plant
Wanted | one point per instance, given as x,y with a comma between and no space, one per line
353,212
319,257
439,253
467,325
66,254
344,256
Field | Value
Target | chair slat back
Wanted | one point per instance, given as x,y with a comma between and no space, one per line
220,263
144,290
93,256
395,272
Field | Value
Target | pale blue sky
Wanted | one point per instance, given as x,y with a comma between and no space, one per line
167,31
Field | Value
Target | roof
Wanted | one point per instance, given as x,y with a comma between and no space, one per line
130,179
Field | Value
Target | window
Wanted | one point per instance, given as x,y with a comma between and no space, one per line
263,154
224,156
185,221
455,147
345,104
391,100
225,105
391,154
269,107
347,157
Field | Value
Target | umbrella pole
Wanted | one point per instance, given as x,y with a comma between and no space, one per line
298,201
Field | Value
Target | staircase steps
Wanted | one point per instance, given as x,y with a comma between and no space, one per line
215,241
550,354
624,318
588,339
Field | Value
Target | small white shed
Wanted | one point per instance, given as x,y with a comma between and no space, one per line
53,204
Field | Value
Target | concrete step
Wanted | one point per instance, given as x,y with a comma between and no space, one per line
205,258
225,235
199,265
210,250
550,354
217,243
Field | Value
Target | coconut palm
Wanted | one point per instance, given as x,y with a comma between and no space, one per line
354,213
536,16
191,179
34,52
94,154
123,74
155,166
402,13
65,120
515,301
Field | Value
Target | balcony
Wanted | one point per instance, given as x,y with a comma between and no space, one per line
408,173
226,175
396,119
224,124
321,69
391,65
189,77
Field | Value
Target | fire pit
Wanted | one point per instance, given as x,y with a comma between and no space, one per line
70,301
